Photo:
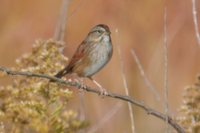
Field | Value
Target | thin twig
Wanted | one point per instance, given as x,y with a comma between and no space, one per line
60,27
165,84
137,103
103,120
125,84
75,10
61,24
196,26
142,73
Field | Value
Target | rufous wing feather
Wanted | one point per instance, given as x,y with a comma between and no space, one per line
76,57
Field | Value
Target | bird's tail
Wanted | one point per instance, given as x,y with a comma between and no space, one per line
60,74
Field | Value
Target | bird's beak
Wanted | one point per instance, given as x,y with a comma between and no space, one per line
107,33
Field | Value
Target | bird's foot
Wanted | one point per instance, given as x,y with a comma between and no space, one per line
103,92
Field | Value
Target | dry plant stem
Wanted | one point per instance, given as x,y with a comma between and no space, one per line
82,109
60,27
196,26
75,10
142,73
61,24
137,103
165,84
112,111
82,106
125,84
82,101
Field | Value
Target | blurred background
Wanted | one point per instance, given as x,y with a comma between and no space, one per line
140,26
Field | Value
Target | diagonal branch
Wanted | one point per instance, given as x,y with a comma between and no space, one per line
144,76
137,103
112,111
195,20
133,130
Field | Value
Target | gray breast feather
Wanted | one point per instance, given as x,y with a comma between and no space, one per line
101,56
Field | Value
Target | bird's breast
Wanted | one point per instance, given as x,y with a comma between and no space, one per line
99,57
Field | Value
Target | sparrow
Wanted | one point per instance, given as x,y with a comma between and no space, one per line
92,54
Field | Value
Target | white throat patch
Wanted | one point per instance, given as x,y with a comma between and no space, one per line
106,38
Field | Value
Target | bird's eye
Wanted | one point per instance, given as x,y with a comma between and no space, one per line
99,31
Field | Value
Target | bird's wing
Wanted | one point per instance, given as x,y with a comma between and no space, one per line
77,57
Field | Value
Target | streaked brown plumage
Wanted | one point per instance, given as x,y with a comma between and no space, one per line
92,54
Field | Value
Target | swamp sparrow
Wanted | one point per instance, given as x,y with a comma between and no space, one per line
92,54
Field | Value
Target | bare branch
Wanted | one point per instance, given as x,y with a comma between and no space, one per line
196,26
76,9
137,103
142,73
165,84
125,85
61,24
112,111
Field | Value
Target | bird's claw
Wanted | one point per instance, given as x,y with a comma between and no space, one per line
103,92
